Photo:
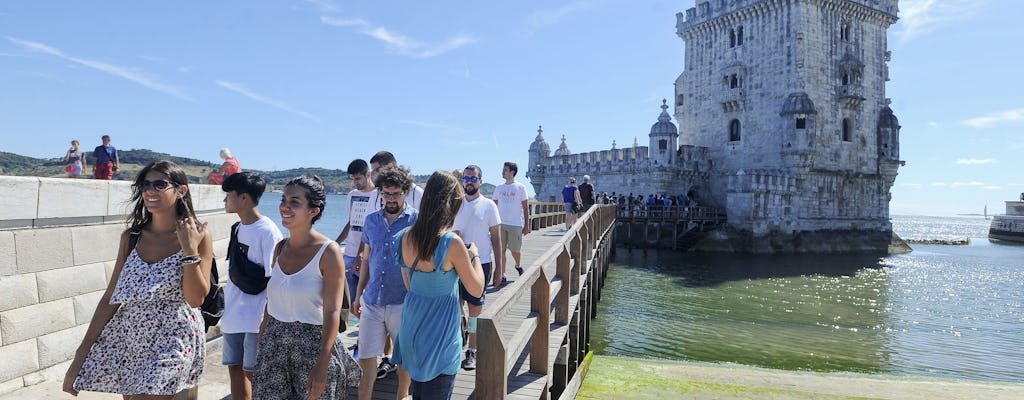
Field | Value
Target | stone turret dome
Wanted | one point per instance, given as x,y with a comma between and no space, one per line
664,126
798,103
539,145
563,149
886,119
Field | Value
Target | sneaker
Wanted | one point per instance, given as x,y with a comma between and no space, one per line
386,367
469,363
519,270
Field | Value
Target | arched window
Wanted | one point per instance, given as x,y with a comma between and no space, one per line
732,38
844,32
679,100
845,79
662,144
734,130
801,123
847,129
734,82
739,36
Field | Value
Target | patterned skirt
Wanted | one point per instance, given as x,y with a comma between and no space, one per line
287,353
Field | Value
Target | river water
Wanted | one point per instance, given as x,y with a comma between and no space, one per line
943,311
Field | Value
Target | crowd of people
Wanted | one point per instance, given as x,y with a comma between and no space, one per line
412,263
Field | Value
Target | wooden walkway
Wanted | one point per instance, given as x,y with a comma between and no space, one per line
513,302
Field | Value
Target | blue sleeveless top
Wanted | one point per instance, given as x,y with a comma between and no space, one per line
429,341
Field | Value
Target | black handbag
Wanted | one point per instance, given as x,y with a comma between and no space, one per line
248,276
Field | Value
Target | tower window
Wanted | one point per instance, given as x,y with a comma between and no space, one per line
732,38
845,79
679,100
734,82
734,130
663,144
739,36
801,123
847,129
844,32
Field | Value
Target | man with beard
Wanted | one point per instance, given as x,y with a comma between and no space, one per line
361,201
381,290
383,159
478,222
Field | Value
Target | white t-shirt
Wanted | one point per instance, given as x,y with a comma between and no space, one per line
414,197
474,221
243,313
510,197
359,205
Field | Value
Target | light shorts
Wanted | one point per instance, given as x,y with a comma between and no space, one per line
375,325
240,349
568,208
512,237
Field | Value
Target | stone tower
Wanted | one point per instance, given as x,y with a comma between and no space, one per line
789,98
539,152
664,138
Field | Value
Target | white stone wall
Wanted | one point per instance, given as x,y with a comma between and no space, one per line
58,241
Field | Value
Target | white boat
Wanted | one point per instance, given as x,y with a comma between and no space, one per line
1010,226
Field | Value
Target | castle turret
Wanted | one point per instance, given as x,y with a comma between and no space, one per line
563,149
664,136
539,152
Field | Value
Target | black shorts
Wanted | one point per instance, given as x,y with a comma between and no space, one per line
476,301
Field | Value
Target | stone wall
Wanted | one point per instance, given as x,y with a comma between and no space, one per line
58,241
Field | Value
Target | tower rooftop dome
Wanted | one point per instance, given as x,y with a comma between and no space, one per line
664,126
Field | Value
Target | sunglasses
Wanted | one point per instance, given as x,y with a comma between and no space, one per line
158,185
470,179
391,196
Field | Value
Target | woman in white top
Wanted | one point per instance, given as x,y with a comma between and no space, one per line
300,355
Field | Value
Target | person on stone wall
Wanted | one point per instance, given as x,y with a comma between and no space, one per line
230,166
105,162
570,198
76,161
587,193
147,337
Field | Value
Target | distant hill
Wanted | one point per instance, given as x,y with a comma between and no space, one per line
132,161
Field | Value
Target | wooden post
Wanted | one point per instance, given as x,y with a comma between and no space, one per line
562,270
575,251
540,303
492,372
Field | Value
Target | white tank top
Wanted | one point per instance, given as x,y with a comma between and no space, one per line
299,296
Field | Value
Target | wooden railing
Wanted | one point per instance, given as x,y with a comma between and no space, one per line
580,259
669,213
545,214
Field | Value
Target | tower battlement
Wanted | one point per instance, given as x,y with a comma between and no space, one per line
710,10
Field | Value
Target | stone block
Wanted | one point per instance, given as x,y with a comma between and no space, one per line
19,359
59,346
85,306
23,199
220,224
109,268
118,195
8,255
36,320
60,198
72,281
207,197
18,291
11,385
43,249
95,243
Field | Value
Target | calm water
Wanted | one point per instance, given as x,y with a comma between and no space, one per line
333,220
947,311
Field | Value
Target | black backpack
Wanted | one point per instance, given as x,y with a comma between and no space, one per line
248,276
213,305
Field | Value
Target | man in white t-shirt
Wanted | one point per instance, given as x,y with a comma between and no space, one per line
383,159
361,201
514,210
478,222
243,312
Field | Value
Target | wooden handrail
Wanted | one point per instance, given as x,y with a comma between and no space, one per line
496,355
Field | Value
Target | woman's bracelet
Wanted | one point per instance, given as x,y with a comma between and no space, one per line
473,257
191,260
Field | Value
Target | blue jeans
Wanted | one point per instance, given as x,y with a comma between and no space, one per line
438,388
351,278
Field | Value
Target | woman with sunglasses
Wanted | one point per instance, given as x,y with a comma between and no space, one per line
300,355
434,259
146,338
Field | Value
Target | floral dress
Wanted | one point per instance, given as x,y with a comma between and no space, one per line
155,342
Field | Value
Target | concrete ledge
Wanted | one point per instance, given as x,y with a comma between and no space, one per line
70,198
23,203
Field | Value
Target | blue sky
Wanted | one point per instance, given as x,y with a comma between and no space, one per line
291,83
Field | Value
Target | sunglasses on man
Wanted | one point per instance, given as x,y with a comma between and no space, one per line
470,179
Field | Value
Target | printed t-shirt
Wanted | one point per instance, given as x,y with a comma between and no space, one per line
510,197
359,205
243,313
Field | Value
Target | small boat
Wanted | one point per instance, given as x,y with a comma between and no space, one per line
1010,226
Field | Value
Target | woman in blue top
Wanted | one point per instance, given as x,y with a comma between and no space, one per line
434,259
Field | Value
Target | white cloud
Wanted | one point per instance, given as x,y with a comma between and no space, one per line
972,183
913,185
934,124
991,187
552,15
242,90
975,161
995,118
324,5
111,69
940,184
397,42
920,17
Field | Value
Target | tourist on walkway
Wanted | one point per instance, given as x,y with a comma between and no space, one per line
76,161
245,296
300,355
381,291
146,337
434,263
361,201
514,209
570,198
383,159
587,193
105,162
230,166
478,223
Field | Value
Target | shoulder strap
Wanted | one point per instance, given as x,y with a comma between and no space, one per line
233,242
133,239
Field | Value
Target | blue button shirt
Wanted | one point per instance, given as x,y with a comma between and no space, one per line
386,286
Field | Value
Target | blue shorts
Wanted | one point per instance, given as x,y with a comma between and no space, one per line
568,208
240,349
476,301
351,278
